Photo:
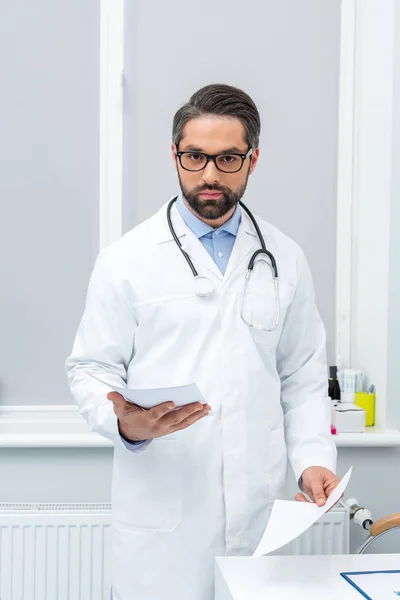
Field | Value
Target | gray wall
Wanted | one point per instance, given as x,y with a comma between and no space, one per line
49,113
285,55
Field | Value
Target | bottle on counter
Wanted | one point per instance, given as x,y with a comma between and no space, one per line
333,385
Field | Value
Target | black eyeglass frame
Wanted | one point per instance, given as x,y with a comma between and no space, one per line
214,157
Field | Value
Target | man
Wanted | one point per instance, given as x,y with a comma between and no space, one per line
190,484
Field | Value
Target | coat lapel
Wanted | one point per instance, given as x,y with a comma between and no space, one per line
199,255
245,244
190,243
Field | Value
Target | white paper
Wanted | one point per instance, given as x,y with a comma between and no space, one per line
378,586
289,519
148,398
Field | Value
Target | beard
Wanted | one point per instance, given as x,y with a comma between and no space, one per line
212,209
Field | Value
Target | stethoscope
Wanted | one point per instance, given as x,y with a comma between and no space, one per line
203,286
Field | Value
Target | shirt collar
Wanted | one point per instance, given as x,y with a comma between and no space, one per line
199,228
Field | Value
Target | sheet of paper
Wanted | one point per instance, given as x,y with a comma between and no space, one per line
378,586
147,398
289,519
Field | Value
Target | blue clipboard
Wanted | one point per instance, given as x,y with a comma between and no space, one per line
347,576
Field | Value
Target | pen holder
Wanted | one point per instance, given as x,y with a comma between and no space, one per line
367,402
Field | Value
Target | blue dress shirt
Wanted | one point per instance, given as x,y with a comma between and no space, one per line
218,243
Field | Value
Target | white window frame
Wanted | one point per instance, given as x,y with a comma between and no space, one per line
364,191
112,26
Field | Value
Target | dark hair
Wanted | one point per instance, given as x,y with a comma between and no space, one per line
224,100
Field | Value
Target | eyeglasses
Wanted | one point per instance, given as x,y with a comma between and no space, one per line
227,163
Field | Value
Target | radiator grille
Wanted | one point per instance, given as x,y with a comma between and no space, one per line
55,551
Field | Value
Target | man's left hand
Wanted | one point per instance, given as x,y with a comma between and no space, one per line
318,483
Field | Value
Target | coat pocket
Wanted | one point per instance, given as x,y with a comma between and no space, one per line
264,309
147,486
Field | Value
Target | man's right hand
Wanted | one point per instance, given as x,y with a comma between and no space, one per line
136,424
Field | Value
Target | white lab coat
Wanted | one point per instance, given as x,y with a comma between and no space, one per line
206,491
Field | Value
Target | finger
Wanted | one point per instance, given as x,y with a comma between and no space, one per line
116,398
318,493
181,414
301,498
118,403
121,406
159,411
333,485
190,420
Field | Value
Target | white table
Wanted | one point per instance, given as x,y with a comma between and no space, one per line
295,577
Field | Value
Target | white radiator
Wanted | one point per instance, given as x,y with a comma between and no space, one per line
63,551
55,551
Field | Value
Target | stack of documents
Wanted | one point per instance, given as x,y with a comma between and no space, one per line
148,398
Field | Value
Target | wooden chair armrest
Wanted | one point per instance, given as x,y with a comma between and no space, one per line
384,524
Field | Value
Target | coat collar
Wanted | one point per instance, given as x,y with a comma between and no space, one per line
246,241
200,228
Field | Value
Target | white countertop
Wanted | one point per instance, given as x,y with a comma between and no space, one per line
295,577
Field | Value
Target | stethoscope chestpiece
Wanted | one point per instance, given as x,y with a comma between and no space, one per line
203,286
